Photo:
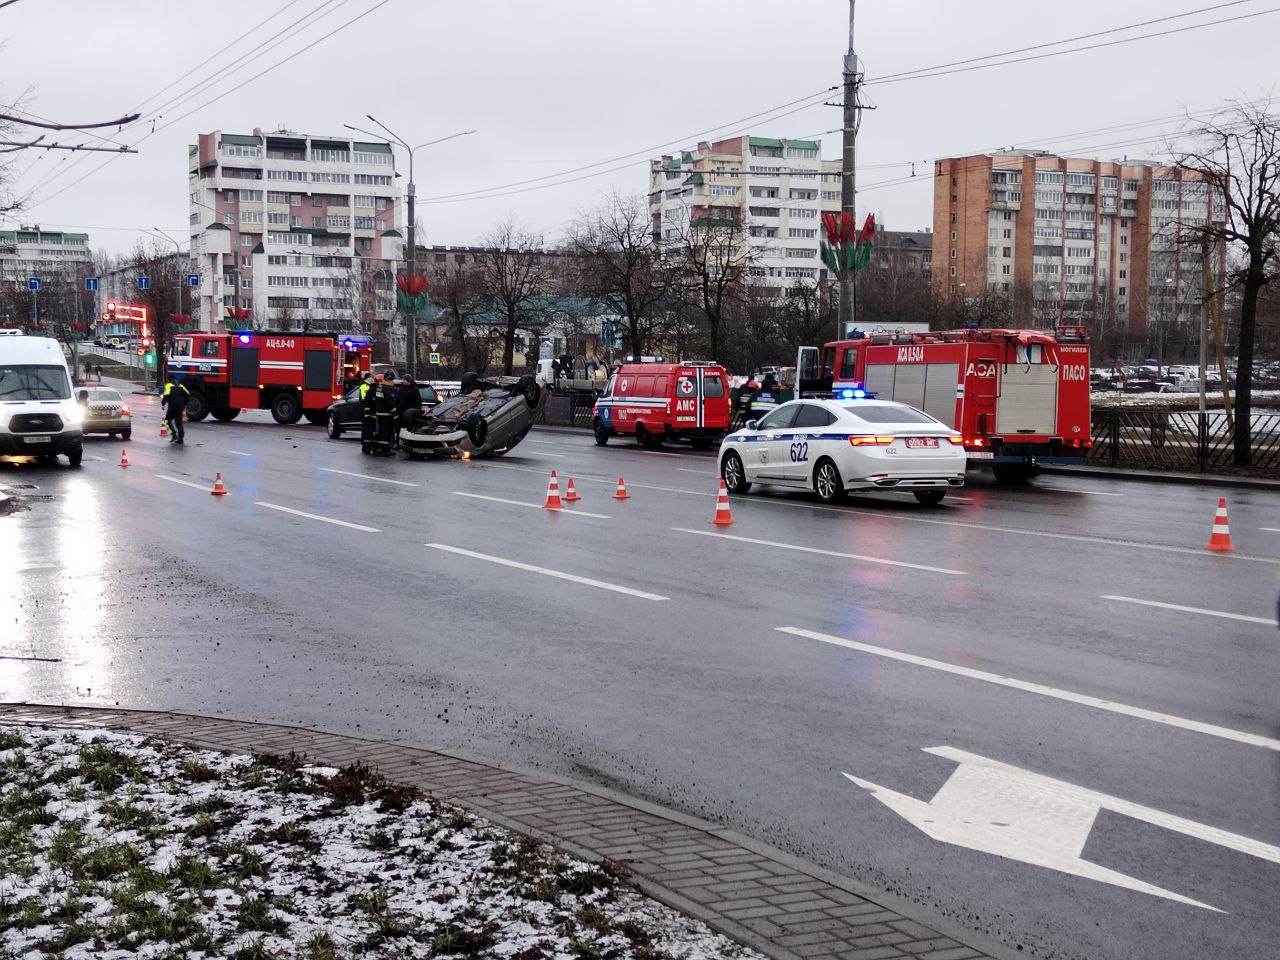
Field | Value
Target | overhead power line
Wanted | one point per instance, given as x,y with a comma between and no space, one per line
119,121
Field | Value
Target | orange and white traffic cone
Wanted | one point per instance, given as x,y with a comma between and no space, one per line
724,516
164,430
571,493
621,492
1220,538
218,489
553,494
124,458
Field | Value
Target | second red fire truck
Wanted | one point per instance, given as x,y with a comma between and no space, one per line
293,375
1019,397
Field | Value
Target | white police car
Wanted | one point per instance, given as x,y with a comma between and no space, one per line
836,446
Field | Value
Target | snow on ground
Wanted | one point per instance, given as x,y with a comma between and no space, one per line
115,847
1189,401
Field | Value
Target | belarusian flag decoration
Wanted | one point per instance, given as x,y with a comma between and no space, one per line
411,291
846,248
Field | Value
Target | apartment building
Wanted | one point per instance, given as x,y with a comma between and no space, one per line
30,251
299,229
774,190
1071,239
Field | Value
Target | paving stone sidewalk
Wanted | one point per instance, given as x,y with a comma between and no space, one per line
784,907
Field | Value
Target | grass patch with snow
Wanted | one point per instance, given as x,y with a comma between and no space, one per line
118,847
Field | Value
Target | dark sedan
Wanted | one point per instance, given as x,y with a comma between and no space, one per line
346,414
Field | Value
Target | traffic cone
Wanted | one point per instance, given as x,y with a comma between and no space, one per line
724,516
218,489
1220,538
621,492
124,458
164,430
553,494
571,493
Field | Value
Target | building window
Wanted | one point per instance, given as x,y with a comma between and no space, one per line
250,195
953,253
953,218
247,241
800,213
329,155
1008,252
277,196
1008,235
953,273
802,233
382,158
246,260
801,253
246,283
1006,269
1124,274
953,234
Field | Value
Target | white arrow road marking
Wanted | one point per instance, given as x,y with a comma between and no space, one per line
569,511
547,572
1267,621
1070,696
996,808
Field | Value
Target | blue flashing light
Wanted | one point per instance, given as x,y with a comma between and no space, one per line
859,394
244,338
347,344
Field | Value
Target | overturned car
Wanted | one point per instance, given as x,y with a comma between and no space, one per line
486,418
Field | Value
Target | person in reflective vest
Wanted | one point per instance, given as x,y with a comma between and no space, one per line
368,423
384,405
174,402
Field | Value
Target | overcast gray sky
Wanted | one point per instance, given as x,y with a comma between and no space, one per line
553,85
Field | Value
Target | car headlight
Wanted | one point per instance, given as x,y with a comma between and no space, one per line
74,416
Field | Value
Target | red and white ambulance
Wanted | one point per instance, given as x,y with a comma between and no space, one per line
1018,397
665,401
292,375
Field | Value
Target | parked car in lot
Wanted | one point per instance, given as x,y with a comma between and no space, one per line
105,411
834,447
486,418
346,414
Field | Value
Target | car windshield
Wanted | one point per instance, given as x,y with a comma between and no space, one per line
886,413
33,382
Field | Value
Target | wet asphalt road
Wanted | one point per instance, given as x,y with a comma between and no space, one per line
677,685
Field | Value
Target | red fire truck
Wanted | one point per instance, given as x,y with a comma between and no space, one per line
1019,397
292,375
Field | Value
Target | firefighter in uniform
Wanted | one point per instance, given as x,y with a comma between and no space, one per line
174,402
369,422
384,406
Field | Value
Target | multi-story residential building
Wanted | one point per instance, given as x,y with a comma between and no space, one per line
32,252
910,251
1071,239
774,190
299,229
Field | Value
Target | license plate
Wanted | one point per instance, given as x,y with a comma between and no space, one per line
922,442
984,455
40,439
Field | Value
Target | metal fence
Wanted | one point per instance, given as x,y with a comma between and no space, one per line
567,409
1164,439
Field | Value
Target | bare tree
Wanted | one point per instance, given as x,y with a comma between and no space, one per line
713,258
624,266
1239,153
460,297
166,272
513,278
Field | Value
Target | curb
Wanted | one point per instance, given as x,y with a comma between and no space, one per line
1156,476
762,897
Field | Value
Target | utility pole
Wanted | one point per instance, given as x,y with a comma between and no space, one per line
848,192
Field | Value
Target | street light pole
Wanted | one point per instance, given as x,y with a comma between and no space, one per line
848,192
411,315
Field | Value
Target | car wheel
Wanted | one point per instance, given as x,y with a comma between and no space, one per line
734,473
335,431
530,389
642,435
477,430
285,408
601,435
225,414
127,435
930,498
74,456
197,405
827,483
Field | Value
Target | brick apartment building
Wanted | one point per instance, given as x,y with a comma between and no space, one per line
1071,240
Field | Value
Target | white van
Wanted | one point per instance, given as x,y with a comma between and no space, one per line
38,414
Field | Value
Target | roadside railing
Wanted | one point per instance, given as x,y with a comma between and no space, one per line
567,409
1153,438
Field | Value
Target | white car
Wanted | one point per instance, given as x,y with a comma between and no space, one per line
833,447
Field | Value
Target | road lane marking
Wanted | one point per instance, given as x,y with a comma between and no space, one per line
1092,493
1111,706
315,516
547,572
568,511
240,453
613,482
701,473
1268,621
825,553
365,476
1270,529
187,483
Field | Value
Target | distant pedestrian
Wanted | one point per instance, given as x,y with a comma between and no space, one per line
98,370
174,402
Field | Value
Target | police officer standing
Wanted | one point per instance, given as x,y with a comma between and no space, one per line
384,406
174,402
368,422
